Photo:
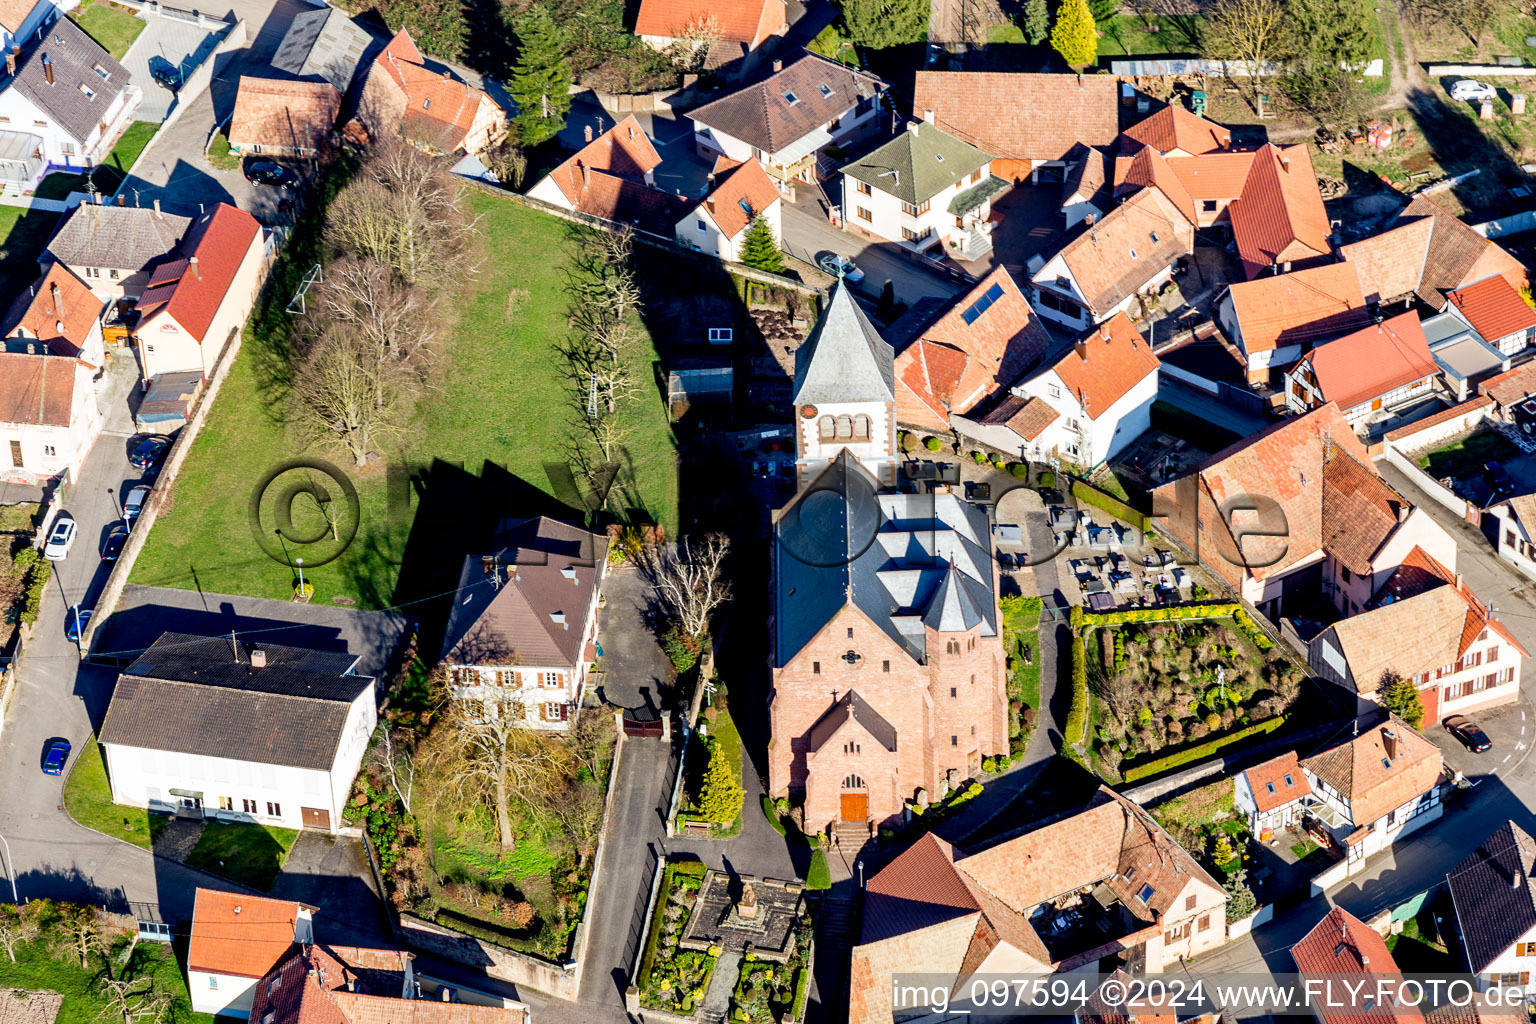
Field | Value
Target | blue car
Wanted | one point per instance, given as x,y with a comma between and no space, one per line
58,754
74,623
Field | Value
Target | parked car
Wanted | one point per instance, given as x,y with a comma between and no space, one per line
146,455
60,539
1465,730
115,541
134,504
832,263
1466,89
265,172
74,623
165,74
1499,478
56,758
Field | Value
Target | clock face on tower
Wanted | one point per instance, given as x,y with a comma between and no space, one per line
807,412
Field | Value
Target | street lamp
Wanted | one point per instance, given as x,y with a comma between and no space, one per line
10,870
116,503
300,563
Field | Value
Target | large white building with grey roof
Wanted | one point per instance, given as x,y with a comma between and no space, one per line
325,44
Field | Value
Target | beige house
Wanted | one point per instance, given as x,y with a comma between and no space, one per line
111,248
48,416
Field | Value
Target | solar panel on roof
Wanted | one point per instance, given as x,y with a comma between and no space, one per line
982,304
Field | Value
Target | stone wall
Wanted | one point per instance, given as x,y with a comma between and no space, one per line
506,965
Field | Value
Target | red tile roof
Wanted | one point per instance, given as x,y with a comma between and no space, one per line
624,151
1027,417
1303,306
240,935
1373,361
1342,946
191,293
1390,264
737,183
1456,255
435,107
736,21
1280,216
1269,785
1511,386
37,390
1148,169
1493,308
1134,242
1175,129
279,113
1373,785
58,309
1360,510
1021,116
1213,176
1109,362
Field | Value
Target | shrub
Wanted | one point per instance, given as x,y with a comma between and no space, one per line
979,457
933,444
1077,714
1090,495
1241,902
1047,478
521,913
905,441
988,765
682,649
721,795
1019,470
771,813
37,571
818,875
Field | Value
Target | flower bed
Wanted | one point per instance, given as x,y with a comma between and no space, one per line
766,993
670,977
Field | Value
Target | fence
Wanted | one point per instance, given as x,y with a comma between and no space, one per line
1262,916
1479,71
1511,225
1157,67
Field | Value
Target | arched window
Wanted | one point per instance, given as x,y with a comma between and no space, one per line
828,428
845,428
861,427
853,782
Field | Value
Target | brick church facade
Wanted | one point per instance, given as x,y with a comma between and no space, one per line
886,650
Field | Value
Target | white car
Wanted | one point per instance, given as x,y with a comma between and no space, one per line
1469,89
134,504
60,538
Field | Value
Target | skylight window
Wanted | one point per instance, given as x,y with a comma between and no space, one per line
1270,786
89,94
1386,762
1146,893
1289,781
1133,254
982,304
746,207
939,157
426,104
100,71
826,90
791,98
1154,236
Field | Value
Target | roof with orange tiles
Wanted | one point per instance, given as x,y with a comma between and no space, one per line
741,192
1493,308
1456,255
1511,386
14,12
1105,1006
37,390
1342,945
58,309
240,935
1027,417
1360,510
623,151
1175,130
1373,361
310,986
1134,242
1390,264
1021,116
191,288
1303,306
1379,770
1213,176
736,21
1105,365
1148,169
280,113
1484,1011
977,348
1085,177
439,109
1280,215
1277,782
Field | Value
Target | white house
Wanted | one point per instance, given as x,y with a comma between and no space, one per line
1515,536
729,28
194,304
236,940
1496,311
231,730
739,194
1273,319
788,120
1495,899
523,629
1084,191
1272,795
1372,375
48,416
63,104
922,189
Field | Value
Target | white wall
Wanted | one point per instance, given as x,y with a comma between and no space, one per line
699,230
165,346
876,454
47,451
548,192
1510,535
888,218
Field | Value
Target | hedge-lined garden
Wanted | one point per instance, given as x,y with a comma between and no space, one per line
673,979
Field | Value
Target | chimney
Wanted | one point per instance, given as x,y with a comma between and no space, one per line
1458,580
10,62
1285,164
1514,879
487,564
54,288
258,659
912,126
709,203
447,994
196,270
631,131
928,116
1389,743
1081,348
587,132
157,207
48,69
122,200
586,176
778,66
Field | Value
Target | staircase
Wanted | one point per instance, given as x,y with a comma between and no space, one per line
975,245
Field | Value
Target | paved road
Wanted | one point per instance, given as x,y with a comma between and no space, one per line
807,233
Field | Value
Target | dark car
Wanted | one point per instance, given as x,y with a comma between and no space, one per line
165,74
146,455
1499,478
1465,730
265,172
74,623
115,541
58,754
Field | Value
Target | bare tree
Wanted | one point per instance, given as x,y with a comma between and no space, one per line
396,766
133,1000
579,810
690,579
347,395
17,925
1255,33
79,932
400,321
695,39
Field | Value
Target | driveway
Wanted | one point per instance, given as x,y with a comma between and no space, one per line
636,674
331,873
807,233
166,43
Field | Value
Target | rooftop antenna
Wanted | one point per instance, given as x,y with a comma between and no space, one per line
234,646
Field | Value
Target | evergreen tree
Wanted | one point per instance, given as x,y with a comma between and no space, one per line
1103,10
541,80
759,249
1402,698
721,795
880,24
1073,35
1327,41
1241,902
1037,22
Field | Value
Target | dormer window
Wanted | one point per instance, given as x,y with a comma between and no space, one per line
826,90
89,94
939,157
1146,893
791,98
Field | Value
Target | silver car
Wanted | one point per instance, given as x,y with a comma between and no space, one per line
134,503
60,539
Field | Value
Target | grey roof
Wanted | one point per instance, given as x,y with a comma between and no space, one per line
201,695
86,80
326,43
765,116
903,559
851,705
120,237
918,164
1495,895
844,359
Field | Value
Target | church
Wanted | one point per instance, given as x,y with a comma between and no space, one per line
888,674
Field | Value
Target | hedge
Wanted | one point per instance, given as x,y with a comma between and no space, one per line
1220,610
687,869
1200,751
1077,714
802,989
772,814
1091,495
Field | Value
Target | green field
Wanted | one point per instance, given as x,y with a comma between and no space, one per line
488,441
114,28
37,970
1466,457
246,853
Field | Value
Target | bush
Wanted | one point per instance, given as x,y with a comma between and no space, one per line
979,458
721,795
771,813
905,441
1047,478
1019,470
933,444
1241,902
1077,714
682,649
1201,751
1090,495
37,571
818,875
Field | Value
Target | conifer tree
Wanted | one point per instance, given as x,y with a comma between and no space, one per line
1037,22
1073,35
541,80
721,795
759,249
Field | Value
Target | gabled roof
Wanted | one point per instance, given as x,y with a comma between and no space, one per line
985,340
1021,116
844,359
326,43
1493,308
742,190
1372,783
86,80
1277,782
1280,215
748,22
1027,417
1360,510
1494,890
14,12
58,309
239,934
1134,242
1218,176
1390,264
1343,946
1303,306
1086,175
38,390
1373,361
531,607
439,109
606,178
624,151
190,289
279,113
1175,130
1105,365
118,237
1456,254
1511,386
851,705
918,163
763,116
1148,169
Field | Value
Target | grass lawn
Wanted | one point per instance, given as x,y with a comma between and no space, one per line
109,174
220,156
1131,35
23,233
19,518
1009,33
488,440
1417,952
1303,849
36,970
88,798
114,28
1466,457
832,43
246,853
